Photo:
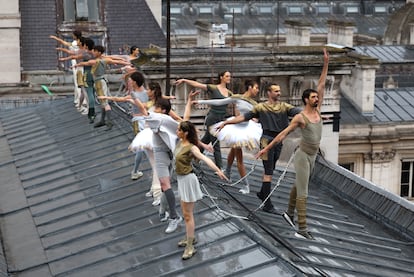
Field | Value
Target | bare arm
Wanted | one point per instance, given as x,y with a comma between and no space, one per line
67,51
86,63
140,105
196,152
216,102
187,111
116,61
191,83
296,121
322,78
71,57
175,116
116,99
61,41
235,120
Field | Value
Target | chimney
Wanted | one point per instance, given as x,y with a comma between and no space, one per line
211,35
341,33
297,33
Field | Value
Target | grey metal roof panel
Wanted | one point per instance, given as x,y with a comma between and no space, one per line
390,105
92,220
388,53
266,23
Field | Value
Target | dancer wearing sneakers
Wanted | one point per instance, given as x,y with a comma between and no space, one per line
310,122
164,141
274,117
245,134
137,97
188,185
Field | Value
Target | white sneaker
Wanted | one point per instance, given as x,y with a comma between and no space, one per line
136,175
173,224
156,201
164,217
245,190
148,194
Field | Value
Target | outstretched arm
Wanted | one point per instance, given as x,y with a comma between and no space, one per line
296,121
322,78
191,83
197,154
188,106
216,102
116,61
61,41
234,120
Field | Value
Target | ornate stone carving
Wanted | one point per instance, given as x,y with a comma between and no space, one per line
380,156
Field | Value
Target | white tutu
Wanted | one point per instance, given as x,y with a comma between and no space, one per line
245,134
142,141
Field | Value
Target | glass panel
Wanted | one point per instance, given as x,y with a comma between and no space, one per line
263,10
93,9
324,9
380,9
295,9
175,10
352,10
236,10
405,177
405,165
81,10
205,10
404,191
68,10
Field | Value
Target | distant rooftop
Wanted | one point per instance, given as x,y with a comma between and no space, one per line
263,17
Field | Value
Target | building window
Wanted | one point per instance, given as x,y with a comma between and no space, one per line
407,179
349,166
351,10
81,10
294,10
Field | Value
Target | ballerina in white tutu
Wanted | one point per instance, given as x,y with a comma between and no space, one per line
245,134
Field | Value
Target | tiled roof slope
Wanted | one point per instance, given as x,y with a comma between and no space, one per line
69,208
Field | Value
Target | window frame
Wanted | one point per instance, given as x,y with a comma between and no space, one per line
410,171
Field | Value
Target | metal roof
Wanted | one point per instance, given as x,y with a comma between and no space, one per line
69,208
265,23
390,105
388,53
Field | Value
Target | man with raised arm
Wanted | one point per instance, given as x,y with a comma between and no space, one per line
310,122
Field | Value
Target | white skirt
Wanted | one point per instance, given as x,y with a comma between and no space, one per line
142,141
189,188
245,134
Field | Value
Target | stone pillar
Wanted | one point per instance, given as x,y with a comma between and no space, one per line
341,33
10,24
297,33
